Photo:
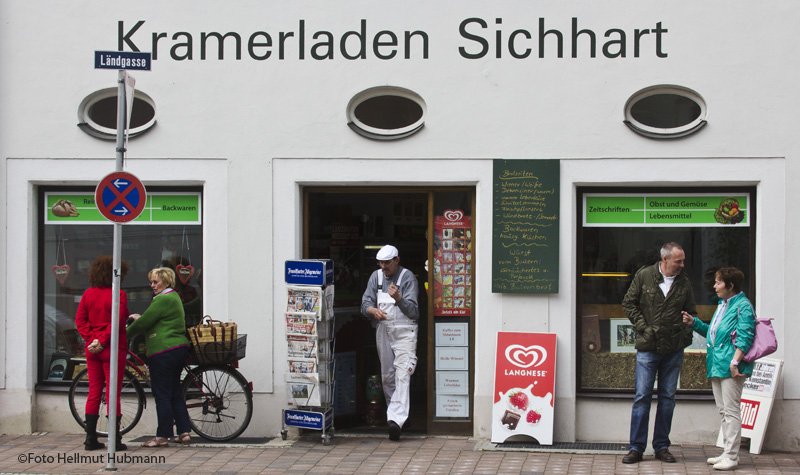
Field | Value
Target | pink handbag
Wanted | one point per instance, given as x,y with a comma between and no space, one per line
764,342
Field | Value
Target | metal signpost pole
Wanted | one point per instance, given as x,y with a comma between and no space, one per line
115,286
130,193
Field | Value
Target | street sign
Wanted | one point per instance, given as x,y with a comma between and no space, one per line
122,60
120,197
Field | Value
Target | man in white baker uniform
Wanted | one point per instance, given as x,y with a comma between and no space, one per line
391,299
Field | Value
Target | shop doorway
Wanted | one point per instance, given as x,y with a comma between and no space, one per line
349,226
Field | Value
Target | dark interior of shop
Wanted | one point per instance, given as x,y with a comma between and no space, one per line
349,228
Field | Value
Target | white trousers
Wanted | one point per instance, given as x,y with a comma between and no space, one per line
728,396
397,349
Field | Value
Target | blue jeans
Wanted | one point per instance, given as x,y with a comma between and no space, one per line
649,365
165,376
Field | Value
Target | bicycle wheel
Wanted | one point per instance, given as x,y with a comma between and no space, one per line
219,401
131,402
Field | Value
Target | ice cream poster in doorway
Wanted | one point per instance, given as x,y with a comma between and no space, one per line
452,268
524,386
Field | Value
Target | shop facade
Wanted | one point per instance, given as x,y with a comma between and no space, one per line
294,133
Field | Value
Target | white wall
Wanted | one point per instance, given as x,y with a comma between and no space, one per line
21,259
545,313
694,422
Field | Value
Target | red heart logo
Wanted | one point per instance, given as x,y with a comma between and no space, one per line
184,272
61,273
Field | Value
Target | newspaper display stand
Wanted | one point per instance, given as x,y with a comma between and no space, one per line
310,347
758,396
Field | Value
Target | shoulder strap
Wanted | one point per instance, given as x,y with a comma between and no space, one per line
400,279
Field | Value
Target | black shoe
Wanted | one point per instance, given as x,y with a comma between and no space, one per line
634,456
665,456
91,442
120,445
394,431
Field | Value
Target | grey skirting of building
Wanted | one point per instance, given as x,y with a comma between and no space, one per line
562,447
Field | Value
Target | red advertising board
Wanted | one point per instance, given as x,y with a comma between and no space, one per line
758,395
452,267
749,413
524,386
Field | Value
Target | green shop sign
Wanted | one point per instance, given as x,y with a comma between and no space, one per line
161,208
695,210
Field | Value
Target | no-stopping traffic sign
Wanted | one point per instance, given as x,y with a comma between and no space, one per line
120,197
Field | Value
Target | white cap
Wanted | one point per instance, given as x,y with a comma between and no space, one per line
387,252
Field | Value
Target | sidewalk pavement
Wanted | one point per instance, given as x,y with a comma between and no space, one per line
59,453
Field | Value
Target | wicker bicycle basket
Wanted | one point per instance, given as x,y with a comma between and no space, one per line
218,352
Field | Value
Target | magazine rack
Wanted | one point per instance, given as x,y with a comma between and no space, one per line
310,363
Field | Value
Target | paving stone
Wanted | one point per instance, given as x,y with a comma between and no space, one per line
360,455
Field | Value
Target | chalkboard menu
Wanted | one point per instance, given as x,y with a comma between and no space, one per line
525,226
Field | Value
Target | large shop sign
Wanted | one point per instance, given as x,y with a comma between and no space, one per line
159,208
524,386
648,210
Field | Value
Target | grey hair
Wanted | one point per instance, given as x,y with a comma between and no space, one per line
666,249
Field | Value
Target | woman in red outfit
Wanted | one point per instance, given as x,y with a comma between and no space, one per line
94,324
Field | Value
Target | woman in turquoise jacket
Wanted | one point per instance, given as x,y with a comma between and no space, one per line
724,364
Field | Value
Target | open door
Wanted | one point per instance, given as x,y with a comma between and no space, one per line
349,225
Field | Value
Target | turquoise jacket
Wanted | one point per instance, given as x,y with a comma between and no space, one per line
739,316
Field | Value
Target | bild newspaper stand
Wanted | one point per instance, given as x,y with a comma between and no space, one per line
310,347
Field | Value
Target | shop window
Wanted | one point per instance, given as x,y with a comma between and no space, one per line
621,231
97,114
386,113
665,112
73,233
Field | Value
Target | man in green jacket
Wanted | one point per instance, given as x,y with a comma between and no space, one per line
655,303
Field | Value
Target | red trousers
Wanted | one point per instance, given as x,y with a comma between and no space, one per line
99,372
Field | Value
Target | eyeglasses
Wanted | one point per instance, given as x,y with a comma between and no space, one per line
385,263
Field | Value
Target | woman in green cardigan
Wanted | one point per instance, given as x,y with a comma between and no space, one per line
164,327
724,364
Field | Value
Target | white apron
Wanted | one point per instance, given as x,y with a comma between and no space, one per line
396,338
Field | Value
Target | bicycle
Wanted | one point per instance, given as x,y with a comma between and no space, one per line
218,397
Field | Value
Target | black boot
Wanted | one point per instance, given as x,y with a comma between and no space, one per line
91,442
120,445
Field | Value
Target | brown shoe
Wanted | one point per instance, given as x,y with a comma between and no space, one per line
156,442
183,439
634,456
665,456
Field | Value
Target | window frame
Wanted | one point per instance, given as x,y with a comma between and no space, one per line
41,383
385,134
580,191
88,125
665,133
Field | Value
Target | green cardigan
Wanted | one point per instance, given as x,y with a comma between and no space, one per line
163,324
